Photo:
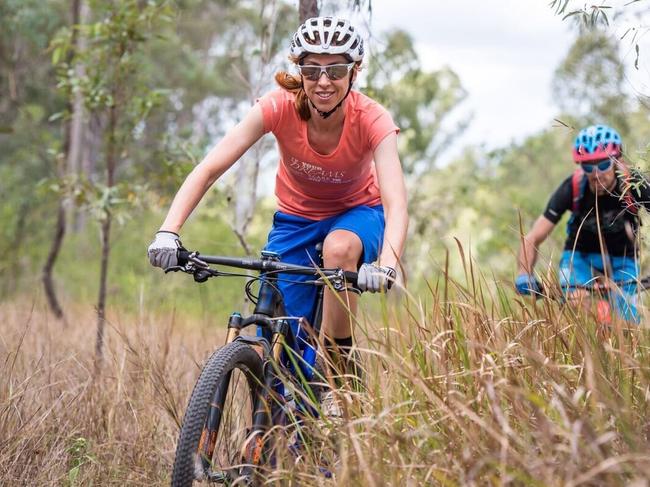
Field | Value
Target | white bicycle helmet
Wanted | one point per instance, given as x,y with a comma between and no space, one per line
327,35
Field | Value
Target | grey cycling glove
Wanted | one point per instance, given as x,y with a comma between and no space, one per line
162,251
374,278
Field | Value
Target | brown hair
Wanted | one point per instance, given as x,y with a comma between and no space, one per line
293,83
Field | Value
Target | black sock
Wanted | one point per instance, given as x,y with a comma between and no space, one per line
344,359
345,346
338,349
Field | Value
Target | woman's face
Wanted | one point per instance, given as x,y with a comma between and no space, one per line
325,93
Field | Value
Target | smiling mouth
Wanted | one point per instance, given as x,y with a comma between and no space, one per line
325,96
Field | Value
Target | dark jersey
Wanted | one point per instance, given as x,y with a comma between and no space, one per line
618,226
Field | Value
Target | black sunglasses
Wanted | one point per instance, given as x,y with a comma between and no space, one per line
334,72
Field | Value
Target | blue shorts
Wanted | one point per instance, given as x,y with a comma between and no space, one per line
580,268
295,239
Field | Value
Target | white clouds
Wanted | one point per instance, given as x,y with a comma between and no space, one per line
505,52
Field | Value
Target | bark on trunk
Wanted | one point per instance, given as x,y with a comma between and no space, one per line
101,301
71,145
307,9
48,282
78,120
111,163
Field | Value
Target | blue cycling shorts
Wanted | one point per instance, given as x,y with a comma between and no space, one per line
580,268
295,239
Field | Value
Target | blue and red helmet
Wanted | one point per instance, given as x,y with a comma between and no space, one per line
595,143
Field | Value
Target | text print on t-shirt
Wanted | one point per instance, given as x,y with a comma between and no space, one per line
318,174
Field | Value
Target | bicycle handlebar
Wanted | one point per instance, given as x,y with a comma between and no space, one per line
265,265
596,287
643,284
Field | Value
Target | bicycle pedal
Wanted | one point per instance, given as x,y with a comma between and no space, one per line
331,406
219,477
325,472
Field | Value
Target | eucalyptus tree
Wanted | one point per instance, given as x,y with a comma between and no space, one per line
30,142
113,89
590,82
307,9
596,79
255,59
67,162
423,104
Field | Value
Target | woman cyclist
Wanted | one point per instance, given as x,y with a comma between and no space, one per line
339,180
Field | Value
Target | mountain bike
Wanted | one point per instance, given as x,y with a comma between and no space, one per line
602,293
254,382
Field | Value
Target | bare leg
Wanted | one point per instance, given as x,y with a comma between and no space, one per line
341,249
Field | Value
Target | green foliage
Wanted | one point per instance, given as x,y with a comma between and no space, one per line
187,65
112,58
29,141
589,83
420,101
515,187
134,284
79,454
591,16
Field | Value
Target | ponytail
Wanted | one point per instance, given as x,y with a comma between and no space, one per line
293,84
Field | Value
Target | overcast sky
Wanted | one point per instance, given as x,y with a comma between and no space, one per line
505,52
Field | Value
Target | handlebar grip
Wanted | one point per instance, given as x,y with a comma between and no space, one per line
183,256
351,277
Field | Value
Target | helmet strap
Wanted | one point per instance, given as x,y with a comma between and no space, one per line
326,114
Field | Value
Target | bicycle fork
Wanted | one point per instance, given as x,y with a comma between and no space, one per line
254,448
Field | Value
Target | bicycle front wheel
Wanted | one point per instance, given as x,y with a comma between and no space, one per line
219,417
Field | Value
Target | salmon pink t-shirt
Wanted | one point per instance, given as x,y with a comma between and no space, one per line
317,186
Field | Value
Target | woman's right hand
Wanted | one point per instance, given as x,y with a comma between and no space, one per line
163,249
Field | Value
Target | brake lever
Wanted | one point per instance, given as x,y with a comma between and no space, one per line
338,283
175,268
192,265
194,259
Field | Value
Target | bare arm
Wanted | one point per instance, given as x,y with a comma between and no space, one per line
530,243
223,155
393,199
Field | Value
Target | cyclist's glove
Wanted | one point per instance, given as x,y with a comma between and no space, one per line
162,251
374,278
527,284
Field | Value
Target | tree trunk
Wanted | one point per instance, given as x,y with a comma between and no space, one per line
78,122
245,187
111,163
77,108
55,247
307,9
245,191
71,147
101,301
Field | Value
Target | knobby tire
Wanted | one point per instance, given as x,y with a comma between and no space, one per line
234,358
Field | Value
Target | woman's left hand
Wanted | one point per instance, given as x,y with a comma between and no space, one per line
374,278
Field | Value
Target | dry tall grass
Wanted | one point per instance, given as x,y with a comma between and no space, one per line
61,425
463,389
